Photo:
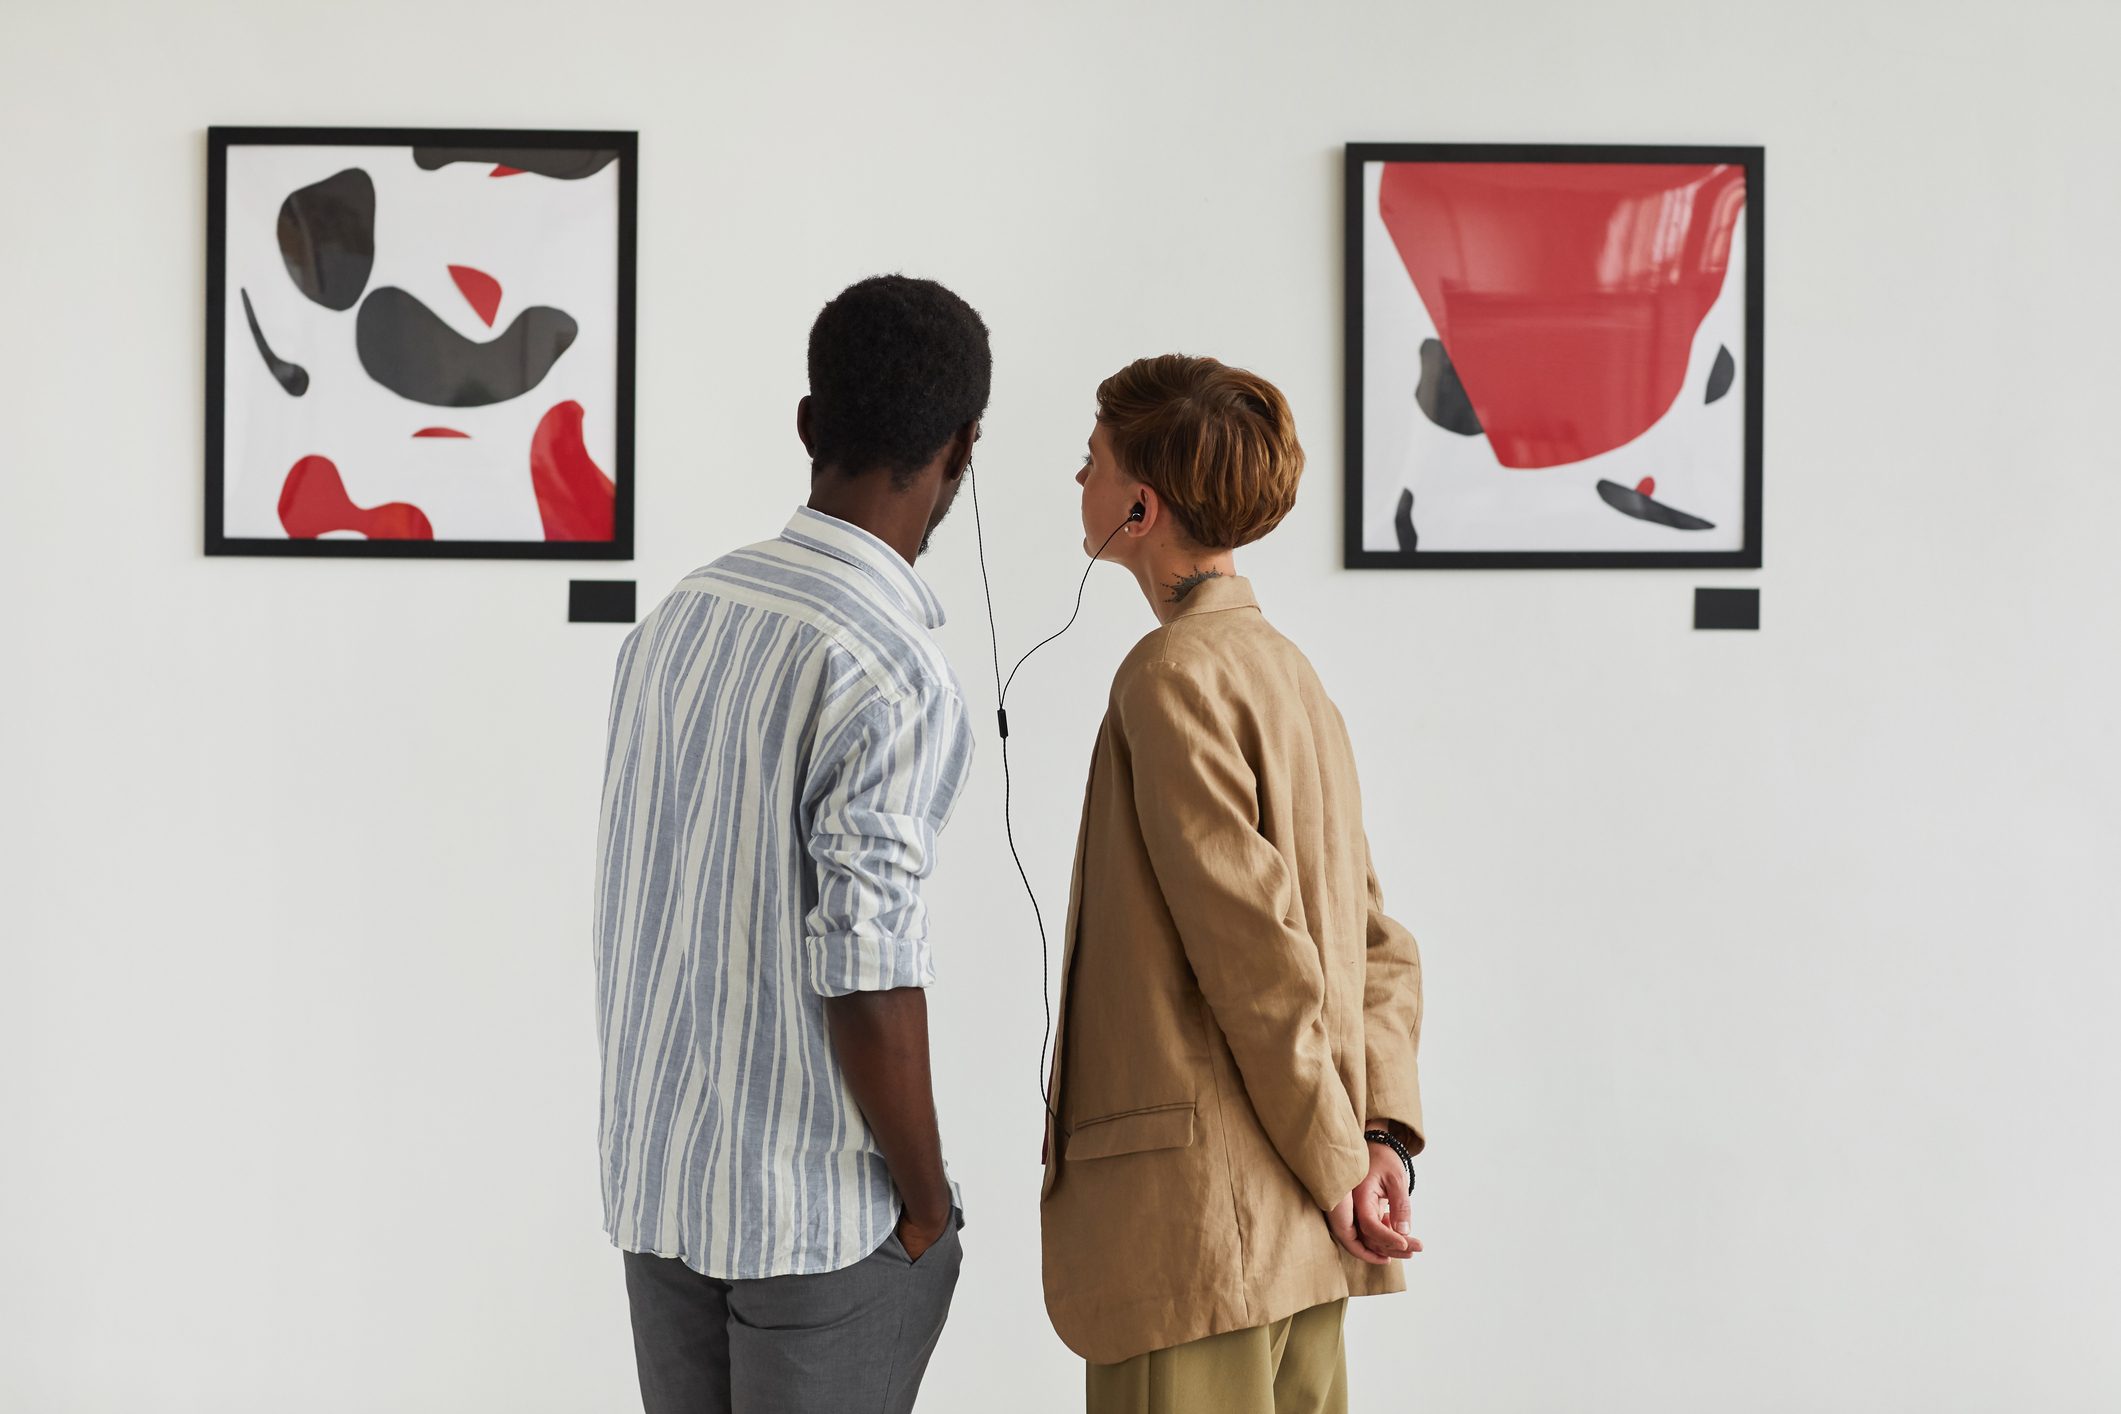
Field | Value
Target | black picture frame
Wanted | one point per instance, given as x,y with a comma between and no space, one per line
1752,159
220,140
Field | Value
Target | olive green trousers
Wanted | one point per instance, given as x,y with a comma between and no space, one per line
1296,1365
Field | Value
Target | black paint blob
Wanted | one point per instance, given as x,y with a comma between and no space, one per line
408,348
1403,522
291,376
1634,503
1441,395
563,164
328,237
1721,372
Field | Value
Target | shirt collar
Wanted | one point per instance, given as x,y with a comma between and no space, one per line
1225,591
849,543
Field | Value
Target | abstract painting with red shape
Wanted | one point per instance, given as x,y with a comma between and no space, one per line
576,500
1546,340
398,336
313,502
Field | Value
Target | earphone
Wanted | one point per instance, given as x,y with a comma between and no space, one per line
1001,715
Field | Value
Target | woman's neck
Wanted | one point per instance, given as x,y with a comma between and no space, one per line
1168,574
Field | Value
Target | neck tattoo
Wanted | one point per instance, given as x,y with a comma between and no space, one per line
1186,584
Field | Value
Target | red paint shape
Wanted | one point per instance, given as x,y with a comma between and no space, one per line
313,500
480,289
1567,294
440,432
1646,487
506,172
576,500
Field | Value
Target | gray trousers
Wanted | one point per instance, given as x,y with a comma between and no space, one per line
854,1341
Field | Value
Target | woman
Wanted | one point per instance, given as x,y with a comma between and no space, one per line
1237,1011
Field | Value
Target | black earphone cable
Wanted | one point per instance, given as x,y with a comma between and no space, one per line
1001,715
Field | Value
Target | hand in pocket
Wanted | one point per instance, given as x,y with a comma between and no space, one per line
917,1238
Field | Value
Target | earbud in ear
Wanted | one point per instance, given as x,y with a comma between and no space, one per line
1138,512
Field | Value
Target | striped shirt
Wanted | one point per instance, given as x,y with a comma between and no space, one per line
786,744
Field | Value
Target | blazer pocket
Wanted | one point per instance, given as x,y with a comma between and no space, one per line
1131,1132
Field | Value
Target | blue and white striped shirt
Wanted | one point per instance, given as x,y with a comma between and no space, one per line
786,744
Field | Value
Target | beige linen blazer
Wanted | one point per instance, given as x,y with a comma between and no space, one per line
1234,1001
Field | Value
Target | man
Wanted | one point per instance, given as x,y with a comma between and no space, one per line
786,744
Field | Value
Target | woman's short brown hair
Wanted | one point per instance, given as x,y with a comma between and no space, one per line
1216,442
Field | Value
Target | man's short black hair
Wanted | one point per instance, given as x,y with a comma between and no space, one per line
897,365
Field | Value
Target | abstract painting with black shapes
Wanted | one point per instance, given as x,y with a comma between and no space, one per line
409,279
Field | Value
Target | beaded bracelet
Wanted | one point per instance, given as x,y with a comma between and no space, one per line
1391,1141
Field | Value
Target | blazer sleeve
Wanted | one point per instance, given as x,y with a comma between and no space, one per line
1391,1005
1231,895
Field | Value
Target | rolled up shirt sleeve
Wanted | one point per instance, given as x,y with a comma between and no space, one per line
881,792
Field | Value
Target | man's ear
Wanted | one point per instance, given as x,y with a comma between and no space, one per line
802,425
960,453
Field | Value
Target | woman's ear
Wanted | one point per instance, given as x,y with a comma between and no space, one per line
1150,508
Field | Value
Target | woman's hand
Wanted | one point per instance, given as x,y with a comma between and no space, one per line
1375,1222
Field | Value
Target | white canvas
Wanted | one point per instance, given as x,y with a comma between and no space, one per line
547,241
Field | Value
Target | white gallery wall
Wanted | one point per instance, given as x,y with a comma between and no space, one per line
1771,1058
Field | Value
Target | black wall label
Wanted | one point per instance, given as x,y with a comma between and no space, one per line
1726,608
600,601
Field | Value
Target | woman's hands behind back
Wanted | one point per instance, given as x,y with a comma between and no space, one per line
1375,1222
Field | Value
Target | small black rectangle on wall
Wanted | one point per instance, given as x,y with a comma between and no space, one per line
600,601
1726,608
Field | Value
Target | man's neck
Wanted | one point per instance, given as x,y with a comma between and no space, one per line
871,503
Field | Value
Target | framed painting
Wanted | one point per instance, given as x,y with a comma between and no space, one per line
419,343
1554,356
